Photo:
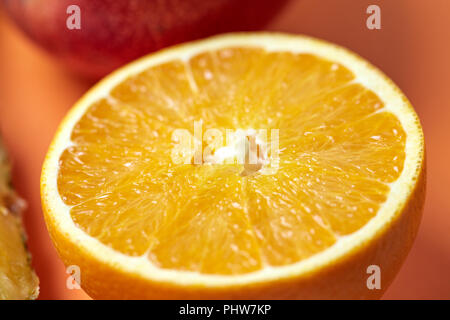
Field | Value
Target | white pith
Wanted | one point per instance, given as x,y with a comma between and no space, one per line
365,74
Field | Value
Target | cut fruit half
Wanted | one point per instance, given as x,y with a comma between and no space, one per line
345,191
17,278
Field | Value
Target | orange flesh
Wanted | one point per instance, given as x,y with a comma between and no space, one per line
339,150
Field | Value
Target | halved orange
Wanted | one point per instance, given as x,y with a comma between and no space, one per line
347,193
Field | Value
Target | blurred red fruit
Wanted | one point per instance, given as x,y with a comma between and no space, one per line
114,32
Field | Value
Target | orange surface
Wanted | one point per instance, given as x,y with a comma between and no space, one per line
412,48
132,179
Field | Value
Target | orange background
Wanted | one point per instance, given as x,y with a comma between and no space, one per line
412,47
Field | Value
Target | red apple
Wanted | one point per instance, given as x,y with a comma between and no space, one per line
114,32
